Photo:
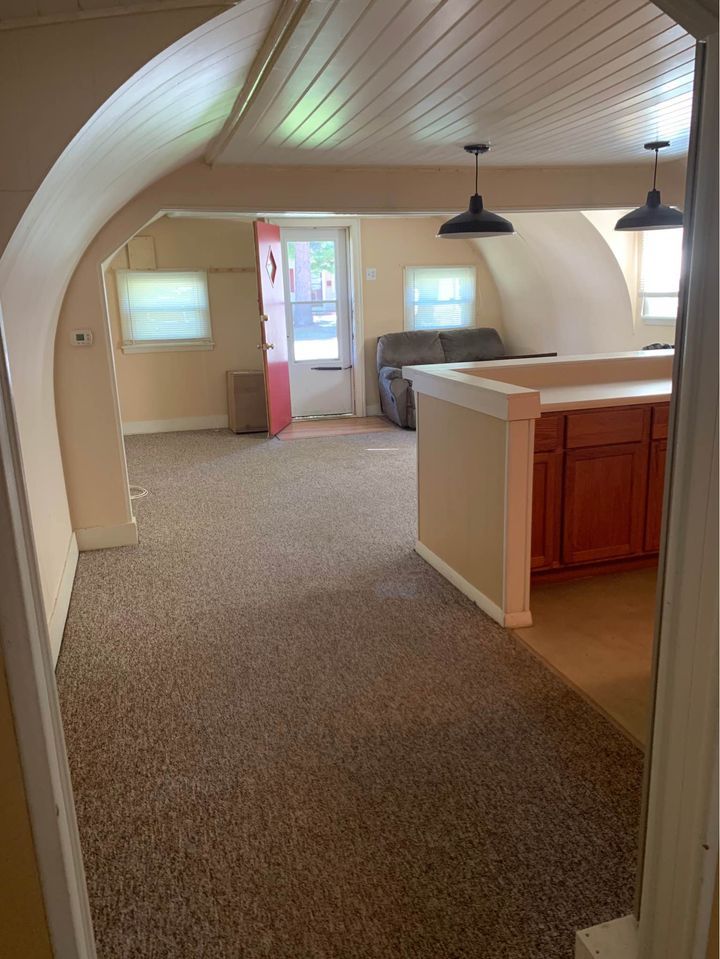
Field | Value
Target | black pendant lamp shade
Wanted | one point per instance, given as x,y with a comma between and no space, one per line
654,215
475,221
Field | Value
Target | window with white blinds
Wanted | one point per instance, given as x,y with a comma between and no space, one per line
439,297
164,310
660,253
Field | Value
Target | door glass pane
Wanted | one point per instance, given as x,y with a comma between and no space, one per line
313,296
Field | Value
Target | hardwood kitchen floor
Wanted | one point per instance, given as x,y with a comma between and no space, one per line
597,634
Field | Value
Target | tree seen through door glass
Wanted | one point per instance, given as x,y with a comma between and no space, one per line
313,297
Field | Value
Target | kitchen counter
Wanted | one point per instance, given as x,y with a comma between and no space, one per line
597,395
511,453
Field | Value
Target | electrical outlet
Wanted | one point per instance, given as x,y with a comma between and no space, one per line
371,273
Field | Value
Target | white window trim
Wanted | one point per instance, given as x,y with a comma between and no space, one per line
409,327
167,346
162,346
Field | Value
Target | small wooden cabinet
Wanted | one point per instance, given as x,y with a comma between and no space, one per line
597,487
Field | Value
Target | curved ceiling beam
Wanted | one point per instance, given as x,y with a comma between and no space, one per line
281,30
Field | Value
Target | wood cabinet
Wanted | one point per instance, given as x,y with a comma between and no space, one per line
604,514
597,488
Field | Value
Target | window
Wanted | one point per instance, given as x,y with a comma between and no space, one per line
659,275
164,310
439,297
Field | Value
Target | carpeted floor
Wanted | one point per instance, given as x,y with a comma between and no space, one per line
290,738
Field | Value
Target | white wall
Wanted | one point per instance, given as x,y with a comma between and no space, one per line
566,284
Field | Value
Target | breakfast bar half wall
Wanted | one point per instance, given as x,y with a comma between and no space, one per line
542,467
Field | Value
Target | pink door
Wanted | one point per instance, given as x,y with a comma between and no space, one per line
273,331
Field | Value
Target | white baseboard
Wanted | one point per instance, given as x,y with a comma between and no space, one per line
58,616
610,940
472,592
107,537
134,427
373,409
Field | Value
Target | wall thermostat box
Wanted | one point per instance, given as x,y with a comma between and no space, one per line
81,337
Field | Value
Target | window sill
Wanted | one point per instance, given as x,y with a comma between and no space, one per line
168,347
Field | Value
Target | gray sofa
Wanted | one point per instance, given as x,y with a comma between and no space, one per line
395,350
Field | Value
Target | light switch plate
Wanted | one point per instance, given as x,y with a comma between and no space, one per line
371,273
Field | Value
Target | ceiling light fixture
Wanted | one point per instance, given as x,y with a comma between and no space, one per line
475,221
653,215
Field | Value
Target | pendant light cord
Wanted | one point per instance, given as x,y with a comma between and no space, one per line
657,151
476,173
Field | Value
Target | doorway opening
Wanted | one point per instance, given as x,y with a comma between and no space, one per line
318,319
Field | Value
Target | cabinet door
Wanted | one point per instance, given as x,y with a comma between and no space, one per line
547,491
605,496
656,486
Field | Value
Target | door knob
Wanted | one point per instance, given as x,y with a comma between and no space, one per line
266,346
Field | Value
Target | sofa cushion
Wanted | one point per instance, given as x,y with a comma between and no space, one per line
463,346
409,349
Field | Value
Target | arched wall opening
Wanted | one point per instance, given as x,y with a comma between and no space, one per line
88,416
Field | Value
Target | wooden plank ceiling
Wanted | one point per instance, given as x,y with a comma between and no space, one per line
368,82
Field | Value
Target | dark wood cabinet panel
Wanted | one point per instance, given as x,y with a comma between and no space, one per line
547,502
604,502
623,424
549,430
656,487
660,417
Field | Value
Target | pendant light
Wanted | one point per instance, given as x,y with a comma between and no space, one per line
476,221
652,216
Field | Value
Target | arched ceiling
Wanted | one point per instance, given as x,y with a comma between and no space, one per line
409,81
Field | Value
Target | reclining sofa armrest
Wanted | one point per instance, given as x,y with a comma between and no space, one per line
395,395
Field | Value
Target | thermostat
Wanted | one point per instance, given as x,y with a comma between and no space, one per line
81,337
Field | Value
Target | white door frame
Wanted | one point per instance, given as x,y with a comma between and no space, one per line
357,324
343,299
25,644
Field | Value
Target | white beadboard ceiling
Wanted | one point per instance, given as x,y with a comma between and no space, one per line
385,82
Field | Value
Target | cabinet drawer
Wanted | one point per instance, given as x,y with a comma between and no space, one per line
549,432
625,424
660,416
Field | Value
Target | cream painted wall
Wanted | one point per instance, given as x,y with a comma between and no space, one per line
188,384
391,244
563,285
54,77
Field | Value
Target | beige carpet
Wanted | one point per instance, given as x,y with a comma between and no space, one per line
290,738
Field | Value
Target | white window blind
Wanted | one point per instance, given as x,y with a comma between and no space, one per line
164,310
659,275
439,297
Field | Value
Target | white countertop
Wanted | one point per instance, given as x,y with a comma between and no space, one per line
592,395
613,379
